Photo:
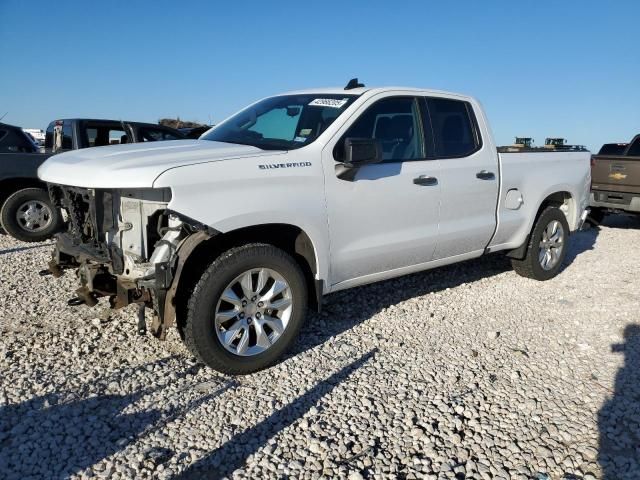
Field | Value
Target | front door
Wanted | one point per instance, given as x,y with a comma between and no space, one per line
385,217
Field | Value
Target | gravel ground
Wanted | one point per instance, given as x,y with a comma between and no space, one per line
467,371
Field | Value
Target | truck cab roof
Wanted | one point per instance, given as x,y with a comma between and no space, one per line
373,90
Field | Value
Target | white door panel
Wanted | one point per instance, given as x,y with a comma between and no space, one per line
467,215
381,220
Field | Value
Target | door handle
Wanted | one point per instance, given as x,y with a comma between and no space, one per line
485,175
425,181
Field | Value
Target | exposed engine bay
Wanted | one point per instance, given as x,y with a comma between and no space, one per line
123,244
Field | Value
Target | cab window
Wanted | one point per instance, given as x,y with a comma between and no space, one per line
395,122
454,128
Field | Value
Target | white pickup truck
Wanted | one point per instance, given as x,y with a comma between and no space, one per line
231,237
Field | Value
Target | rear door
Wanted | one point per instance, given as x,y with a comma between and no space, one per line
385,218
469,178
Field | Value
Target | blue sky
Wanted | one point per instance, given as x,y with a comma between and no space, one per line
540,68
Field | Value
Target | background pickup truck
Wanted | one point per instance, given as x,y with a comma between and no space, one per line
616,181
299,195
26,211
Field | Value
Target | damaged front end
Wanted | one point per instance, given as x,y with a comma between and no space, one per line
124,245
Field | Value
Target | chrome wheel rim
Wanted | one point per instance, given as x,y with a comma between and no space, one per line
34,216
253,312
551,245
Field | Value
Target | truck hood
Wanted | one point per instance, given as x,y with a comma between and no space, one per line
135,165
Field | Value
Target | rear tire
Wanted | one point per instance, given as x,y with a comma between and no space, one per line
235,323
30,216
547,246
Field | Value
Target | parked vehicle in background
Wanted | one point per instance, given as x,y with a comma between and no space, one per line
555,142
561,144
26,211
33,140
523,142
36,133
616,181
613,149
300,195
15,140
77,133
195,132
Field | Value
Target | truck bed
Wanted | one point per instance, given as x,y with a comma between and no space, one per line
526,179
565,148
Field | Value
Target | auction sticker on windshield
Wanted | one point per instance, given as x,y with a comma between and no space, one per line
328,102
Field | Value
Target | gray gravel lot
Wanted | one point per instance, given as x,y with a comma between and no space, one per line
467,371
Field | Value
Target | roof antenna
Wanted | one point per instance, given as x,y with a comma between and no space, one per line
5,114
353,83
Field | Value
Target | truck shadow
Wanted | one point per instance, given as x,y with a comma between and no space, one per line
618,419
27,247
346,309
580,242
622,221
60,434
343,310
233,454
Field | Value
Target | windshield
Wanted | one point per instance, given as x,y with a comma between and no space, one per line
285,122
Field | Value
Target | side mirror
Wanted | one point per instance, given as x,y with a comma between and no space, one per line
361,151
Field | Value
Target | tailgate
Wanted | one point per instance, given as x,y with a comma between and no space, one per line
616,174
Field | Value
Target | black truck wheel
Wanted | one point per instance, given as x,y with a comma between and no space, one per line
246,310
29,215
547,246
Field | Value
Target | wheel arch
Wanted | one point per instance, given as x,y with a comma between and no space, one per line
290,238
9,186
564,200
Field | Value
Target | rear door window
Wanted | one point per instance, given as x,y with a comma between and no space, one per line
101,135
454,128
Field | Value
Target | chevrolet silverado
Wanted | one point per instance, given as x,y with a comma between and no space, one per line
232,236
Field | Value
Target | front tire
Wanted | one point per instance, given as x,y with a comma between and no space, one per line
30,216
547,246
246,310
